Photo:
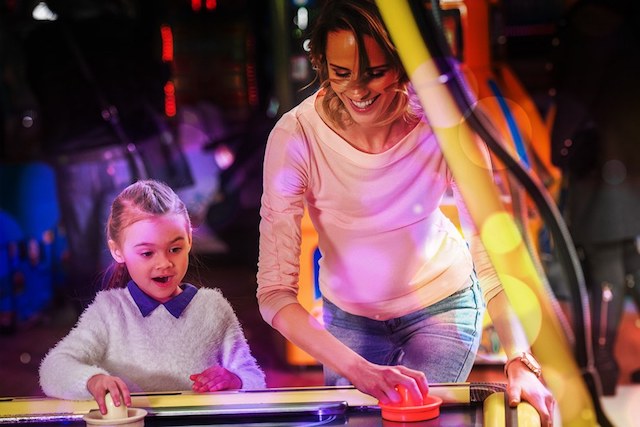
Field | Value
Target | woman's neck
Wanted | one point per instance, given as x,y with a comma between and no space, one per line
375,139
368,138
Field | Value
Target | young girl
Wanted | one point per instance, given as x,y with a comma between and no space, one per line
149,331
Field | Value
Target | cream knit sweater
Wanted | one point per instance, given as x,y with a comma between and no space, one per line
153,353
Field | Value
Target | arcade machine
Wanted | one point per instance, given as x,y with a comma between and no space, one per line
456,118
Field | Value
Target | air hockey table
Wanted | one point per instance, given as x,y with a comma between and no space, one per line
464,404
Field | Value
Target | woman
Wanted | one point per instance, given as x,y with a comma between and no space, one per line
401,299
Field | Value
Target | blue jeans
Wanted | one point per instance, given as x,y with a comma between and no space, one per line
440,340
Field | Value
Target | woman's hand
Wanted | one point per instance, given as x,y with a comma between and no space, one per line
99,385
381,381
215,378
524,385
298,326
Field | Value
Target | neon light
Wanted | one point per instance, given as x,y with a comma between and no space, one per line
170,99
167,43
511,122
252,80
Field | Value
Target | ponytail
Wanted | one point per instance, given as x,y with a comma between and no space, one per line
116,276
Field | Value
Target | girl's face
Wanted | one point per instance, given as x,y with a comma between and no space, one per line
156,253
366,97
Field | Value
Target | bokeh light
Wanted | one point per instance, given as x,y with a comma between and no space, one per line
500,234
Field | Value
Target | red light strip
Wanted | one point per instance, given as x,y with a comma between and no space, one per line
170,99
250,69
167,43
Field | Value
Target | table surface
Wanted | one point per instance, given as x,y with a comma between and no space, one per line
464,405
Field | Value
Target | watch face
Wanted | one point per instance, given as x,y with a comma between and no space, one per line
531,360
531,363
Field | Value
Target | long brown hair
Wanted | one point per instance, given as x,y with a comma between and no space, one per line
140,200
362,18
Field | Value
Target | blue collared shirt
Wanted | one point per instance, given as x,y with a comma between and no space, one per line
175,305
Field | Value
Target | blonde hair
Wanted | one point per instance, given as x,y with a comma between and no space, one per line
140,200
361,18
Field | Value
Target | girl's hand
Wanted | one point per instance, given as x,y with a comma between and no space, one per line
99,385
215,378
381,381
524,385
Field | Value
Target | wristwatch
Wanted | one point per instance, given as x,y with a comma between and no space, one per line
528,360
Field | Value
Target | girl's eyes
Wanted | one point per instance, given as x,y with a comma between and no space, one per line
149,254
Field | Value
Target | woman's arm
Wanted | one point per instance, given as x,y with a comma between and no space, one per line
298,326
523,384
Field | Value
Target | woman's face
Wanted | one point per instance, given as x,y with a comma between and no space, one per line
366,97
156,253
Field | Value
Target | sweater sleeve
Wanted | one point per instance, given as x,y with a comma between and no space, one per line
282,207
234,350
68,366
487,275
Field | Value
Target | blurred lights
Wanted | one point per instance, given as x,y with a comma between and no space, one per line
252,75
166,34
170,99
223,156
302,18
42,13
273,107
253,85
167,43
614,172
196,5
28,119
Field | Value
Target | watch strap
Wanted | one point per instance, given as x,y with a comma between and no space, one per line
526,359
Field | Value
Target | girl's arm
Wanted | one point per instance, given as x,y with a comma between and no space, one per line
67,367
232,364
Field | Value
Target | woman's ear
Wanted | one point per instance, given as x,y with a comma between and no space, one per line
115,251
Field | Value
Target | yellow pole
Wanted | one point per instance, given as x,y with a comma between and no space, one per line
498,229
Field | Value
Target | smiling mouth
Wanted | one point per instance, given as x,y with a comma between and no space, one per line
363,105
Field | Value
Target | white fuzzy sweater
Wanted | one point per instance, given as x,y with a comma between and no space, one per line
153,353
